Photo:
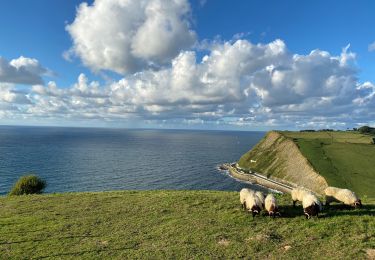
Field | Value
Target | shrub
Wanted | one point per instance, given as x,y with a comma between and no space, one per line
366,130
28,184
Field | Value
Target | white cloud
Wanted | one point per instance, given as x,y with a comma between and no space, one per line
8,94
22,71
128,36
371,47
237,83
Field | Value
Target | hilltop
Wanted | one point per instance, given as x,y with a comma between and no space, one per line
316,159
173,225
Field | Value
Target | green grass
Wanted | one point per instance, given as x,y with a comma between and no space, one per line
174,224
344,159
341,137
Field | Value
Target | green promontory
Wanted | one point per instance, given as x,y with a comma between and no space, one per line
175,225
316,159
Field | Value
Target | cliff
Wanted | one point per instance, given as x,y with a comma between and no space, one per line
278,157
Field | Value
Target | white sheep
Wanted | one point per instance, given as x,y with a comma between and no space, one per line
298,194
260,195
346,196
311,205
253,204
270,205
243,193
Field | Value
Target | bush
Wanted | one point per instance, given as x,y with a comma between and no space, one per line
366,130
28,184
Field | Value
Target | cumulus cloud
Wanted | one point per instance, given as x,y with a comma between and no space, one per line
238,77
128,36
371,47
237,83
22,71
9,95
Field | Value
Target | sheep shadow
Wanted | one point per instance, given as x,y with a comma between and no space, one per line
290,211
344,210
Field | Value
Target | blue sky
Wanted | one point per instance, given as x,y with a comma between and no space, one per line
38,30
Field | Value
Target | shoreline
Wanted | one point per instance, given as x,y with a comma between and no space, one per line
255,178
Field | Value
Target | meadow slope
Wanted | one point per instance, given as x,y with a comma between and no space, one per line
343,159
175,224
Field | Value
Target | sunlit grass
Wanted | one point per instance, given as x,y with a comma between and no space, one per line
175,224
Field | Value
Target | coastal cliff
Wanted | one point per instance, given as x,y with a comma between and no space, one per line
278,157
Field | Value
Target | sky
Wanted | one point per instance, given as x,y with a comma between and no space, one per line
199,64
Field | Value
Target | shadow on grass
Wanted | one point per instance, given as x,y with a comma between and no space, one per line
344,210
288,211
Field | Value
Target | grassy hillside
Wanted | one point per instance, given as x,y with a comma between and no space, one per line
277,156
344,159
174,224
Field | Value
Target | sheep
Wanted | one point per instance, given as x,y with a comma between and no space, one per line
250,201
298,193
243,193
260,195
346,196
311,205
271,205
253,203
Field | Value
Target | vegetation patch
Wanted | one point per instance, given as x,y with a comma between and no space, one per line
28,184
176,224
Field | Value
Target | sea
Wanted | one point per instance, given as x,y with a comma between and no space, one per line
103,159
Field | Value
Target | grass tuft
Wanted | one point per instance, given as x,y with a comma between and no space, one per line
28,184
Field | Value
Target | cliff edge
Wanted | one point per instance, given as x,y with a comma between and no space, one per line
278,157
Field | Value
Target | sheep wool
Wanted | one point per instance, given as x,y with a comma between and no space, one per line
311,205
253,203
243,193
346,196
260,195
298,194
270,205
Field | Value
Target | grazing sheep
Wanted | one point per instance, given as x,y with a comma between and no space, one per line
243,193
346,196
253,203
311,205
270,205
260,195
298,194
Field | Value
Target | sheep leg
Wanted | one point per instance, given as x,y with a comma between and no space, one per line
328,200
294,203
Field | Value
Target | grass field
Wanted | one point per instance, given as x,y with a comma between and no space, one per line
175,224
341,137
344,159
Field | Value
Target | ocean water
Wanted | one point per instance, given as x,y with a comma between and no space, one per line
88,159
